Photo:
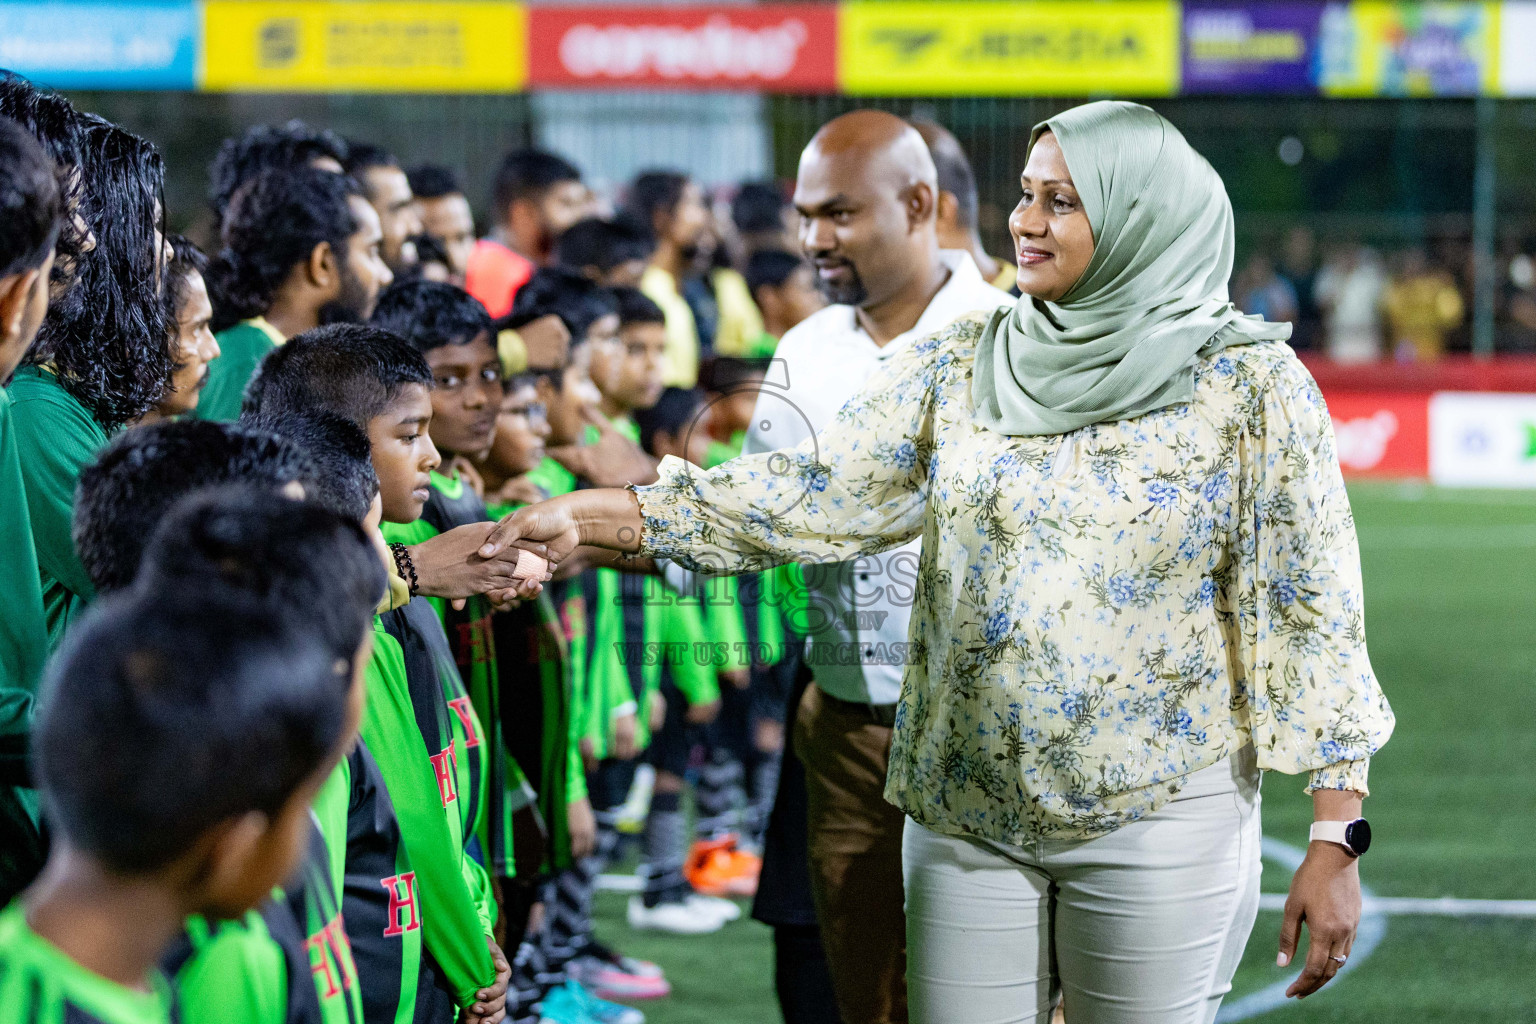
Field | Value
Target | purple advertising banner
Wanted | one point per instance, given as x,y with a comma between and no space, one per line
1253,47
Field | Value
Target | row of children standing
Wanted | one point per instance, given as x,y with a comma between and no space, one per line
254,545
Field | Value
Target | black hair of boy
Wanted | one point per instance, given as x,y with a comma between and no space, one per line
265,147
529,174
635,307
30,206
576,299
431,314
362,156
674,413
186,259
770,268
343,481
110,340
656,192
53,121
725,374
167,715
758,208
352,370
433,181
429,249
296,556
271,226
605,244
136,479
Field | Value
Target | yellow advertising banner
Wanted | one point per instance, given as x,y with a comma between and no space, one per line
363,46
1041,48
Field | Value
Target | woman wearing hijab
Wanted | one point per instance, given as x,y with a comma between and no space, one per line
1139,588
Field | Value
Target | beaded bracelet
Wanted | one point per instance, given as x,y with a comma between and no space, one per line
404,566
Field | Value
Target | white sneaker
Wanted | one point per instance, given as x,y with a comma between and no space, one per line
677,918
631,814
723,909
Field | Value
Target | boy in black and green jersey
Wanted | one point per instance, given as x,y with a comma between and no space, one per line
263,541
376,380
453,333
153,821
29,191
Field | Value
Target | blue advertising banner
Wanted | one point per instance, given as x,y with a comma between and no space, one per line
1251,48
78,44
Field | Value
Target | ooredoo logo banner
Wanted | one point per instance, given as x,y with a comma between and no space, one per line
1381,434
775,47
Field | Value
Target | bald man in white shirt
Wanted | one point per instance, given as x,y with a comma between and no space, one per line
866,194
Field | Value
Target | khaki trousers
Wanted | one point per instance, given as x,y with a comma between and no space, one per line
855,856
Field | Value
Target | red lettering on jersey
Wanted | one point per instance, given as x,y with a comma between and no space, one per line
320,964
473,647
442,764
466,713
327,947
404,915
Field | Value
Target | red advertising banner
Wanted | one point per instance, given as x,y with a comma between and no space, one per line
1381,433
772,47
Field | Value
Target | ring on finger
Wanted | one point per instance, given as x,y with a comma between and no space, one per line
1339,959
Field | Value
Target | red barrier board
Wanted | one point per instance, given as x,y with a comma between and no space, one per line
1381,433
774,47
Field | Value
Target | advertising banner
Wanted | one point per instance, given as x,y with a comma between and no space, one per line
1381,48
1482,439
363,46
1381,434
1251,48
1042,48
69,45
1517,48
774,47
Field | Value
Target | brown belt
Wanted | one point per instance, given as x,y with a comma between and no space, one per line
880,714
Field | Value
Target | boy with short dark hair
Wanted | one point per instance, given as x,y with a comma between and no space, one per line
375,379
182,741
445,215
614,253
784,288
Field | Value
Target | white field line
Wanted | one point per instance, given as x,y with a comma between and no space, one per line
1417,906
1512,535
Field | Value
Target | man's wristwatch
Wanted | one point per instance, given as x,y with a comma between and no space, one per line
1354,836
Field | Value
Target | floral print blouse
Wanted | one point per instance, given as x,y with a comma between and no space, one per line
1098,614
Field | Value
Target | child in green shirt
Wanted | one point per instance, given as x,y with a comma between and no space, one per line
376,380
153,821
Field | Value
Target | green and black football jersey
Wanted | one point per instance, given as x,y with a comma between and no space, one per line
289,961
399,982
448,891
40,985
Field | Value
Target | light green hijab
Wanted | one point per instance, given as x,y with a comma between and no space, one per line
1125,338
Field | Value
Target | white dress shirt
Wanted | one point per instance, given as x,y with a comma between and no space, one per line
859,609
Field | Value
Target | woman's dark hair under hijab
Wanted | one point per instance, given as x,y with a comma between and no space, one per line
169,714
271,226
110,342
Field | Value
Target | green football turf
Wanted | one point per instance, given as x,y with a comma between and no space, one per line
1450,577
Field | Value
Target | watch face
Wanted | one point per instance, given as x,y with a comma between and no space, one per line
1358,835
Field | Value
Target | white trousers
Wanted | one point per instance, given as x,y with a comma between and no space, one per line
1143,926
